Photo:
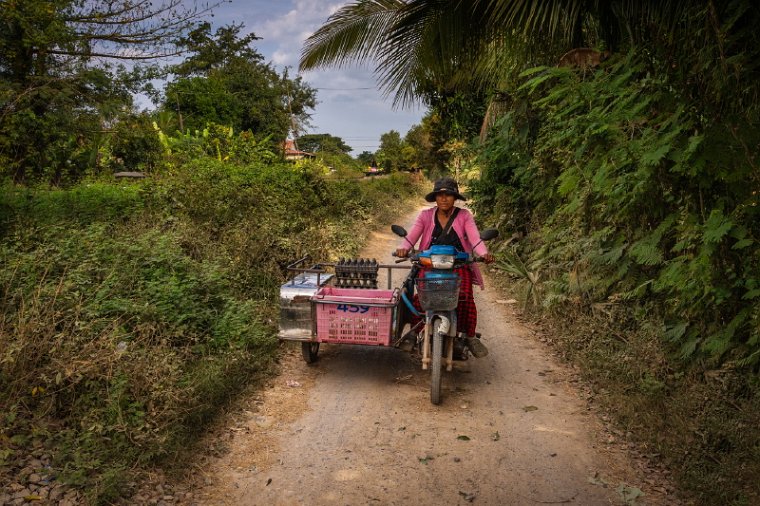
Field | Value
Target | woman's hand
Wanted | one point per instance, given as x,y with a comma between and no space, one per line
488,258
401,253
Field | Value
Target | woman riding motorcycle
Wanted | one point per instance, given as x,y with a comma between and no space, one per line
448,224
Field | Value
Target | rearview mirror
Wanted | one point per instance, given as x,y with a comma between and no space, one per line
488,234
398,230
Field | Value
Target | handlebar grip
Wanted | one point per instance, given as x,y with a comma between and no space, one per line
401,259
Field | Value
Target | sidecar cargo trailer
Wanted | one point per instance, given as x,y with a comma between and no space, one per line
341,307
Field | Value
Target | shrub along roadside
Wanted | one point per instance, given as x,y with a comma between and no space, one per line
700,423
122,333
639,211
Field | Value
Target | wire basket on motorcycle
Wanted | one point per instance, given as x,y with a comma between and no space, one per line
438,291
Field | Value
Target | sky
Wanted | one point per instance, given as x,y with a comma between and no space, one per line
350,106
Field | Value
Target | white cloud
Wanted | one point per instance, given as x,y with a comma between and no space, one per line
282,59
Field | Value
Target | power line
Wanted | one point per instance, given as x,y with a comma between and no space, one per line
346,89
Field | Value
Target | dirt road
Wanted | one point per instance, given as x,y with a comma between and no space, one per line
358,428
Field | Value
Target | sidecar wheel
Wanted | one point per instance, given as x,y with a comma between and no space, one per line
309,350
435,366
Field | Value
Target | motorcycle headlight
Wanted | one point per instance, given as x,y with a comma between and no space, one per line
442,261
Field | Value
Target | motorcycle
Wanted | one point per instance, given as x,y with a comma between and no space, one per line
341,303
438,294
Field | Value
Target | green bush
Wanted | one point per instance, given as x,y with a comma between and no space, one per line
131,313
85,203
631,197
637,207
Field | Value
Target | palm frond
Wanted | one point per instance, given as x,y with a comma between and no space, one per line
354,34
432,49
424,47
418,54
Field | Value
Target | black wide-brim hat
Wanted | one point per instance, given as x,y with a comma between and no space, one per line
445,185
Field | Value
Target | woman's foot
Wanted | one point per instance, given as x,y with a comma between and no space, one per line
477,348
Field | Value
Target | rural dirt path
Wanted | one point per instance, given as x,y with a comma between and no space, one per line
358,428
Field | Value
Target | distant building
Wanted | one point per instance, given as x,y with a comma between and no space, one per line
293,154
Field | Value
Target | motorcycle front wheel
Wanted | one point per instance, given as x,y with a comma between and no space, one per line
435,366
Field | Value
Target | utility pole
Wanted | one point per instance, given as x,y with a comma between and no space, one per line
293,124
179,114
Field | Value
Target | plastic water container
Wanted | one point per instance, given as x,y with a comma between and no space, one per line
296,319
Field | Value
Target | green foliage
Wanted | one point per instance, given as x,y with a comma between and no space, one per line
225,81
107,322
634,186
340,164
215,141
57,97
90,202
637,198
199,100
365,158
418,147
46,132
134,144
322,143
207,52
390,156
699,421
131,313
511,263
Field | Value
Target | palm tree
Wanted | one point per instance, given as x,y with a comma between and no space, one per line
417,45
409,41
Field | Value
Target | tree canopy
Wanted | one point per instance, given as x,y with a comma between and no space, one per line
224,80
324,143
57,95
390,154
452,45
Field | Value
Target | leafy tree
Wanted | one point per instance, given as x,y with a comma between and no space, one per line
54,93
323,142
583,157
197,101
134,144
208,52
226,81
454,45
373,30
390,155
366,158
418,150
48,128
411,43
451,55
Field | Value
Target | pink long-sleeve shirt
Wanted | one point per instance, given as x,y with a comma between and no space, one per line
463,225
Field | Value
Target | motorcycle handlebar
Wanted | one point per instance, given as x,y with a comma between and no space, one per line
414,257
411,255
400,259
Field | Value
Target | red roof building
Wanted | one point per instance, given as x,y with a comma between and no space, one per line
291,153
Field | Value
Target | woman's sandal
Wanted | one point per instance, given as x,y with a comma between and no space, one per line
477,348
408,341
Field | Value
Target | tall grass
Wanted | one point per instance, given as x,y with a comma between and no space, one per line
131,313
